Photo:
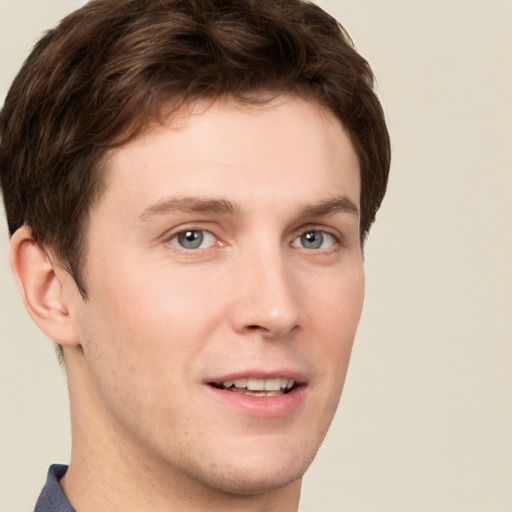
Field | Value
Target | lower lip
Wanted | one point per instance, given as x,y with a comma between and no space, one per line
261,406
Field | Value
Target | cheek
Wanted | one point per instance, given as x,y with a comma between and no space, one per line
148,319
140,337
335,316
339,304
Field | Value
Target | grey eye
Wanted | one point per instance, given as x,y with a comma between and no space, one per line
193,239
314,240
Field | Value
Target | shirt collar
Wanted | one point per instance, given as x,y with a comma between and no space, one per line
52,498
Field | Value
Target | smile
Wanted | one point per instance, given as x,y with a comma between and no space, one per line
257,387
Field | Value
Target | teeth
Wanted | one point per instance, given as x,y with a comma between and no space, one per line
273,384
257,393
253,384
251,393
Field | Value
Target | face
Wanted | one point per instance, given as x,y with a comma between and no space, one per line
225,281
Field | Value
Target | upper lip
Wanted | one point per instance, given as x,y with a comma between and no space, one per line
297,376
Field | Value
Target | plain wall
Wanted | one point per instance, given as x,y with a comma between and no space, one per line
425,422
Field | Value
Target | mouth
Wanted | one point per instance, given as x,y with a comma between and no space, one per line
263,395
253,386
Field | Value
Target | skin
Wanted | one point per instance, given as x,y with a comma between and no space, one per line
162,320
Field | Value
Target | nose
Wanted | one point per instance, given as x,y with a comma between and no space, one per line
266,297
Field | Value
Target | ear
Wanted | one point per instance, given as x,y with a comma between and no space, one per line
41,283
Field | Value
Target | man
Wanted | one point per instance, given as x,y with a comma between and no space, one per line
188,186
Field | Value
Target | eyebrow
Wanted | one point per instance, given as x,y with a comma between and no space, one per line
190,204
223,206
337,204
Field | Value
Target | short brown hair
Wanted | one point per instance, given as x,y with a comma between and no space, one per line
103,73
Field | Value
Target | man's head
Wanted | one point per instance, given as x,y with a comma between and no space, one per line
204,173
111,68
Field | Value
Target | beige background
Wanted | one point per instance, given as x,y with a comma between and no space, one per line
426,418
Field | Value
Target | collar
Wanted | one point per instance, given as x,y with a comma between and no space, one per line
52,498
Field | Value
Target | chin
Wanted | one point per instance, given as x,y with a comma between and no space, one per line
251,472
257,480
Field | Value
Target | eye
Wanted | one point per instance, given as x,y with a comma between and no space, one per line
314,240
193,239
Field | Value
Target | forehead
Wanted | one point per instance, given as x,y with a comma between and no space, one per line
283,145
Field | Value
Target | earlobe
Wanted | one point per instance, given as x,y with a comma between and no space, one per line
41,287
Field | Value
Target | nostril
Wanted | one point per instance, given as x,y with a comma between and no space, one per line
258,328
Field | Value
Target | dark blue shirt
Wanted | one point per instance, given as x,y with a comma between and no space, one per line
52,498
